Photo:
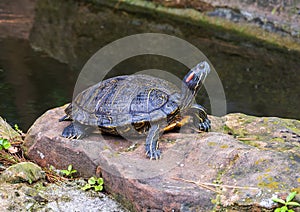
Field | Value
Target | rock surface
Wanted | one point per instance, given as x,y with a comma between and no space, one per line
277,16
22,172
260,159
7,132
66,197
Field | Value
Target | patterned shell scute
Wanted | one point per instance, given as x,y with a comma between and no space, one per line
125,100
148,100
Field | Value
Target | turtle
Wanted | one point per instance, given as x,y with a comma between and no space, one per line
135,105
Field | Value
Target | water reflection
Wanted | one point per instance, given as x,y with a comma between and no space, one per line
30,82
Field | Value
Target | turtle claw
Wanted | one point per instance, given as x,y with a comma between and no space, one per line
74,131
205,126
64,118
154,154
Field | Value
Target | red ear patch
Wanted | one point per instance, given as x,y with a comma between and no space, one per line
190,77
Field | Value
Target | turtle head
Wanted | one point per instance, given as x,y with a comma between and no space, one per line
196,76
192,82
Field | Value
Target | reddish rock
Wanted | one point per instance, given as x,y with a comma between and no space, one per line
141,184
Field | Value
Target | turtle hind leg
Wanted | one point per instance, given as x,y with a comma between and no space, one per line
152,150
76,130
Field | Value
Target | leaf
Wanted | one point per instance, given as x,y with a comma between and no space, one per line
293,204
291,196
92,181
66,172
16,127
6,145
291,210
73,171
1,147
284,209
277,210
98,188
274,10
275,199
70,168
3,141
100,181
86,187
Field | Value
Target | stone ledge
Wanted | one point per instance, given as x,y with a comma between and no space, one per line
141,184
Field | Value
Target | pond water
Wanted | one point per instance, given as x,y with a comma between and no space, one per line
30,82
258,78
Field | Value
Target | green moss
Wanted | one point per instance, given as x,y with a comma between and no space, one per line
227,129
260,161
277,140
269,185
296,189
224,146
39,186
211,143
265,120
251,143
268,170
268,182
66,198
292,125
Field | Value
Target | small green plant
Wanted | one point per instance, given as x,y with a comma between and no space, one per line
69,172
95,183
4,143
288,202
18,129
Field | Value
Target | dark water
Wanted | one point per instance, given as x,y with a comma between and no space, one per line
30,82
258,79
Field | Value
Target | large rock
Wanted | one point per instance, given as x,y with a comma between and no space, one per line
264,162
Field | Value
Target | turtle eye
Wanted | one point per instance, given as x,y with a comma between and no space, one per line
201,66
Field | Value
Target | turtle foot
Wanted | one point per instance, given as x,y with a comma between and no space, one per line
75,131
153,154
205,126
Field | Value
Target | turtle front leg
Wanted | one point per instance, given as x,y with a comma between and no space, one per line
152,150
202,120
76,130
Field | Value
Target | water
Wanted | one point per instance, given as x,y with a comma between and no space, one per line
30,82
258,78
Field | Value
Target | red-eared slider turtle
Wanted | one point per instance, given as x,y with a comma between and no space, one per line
136,104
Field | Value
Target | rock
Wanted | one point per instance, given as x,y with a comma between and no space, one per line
22,172
63,197
265,133
7,132
245,173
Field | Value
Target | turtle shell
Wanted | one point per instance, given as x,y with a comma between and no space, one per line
126,100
